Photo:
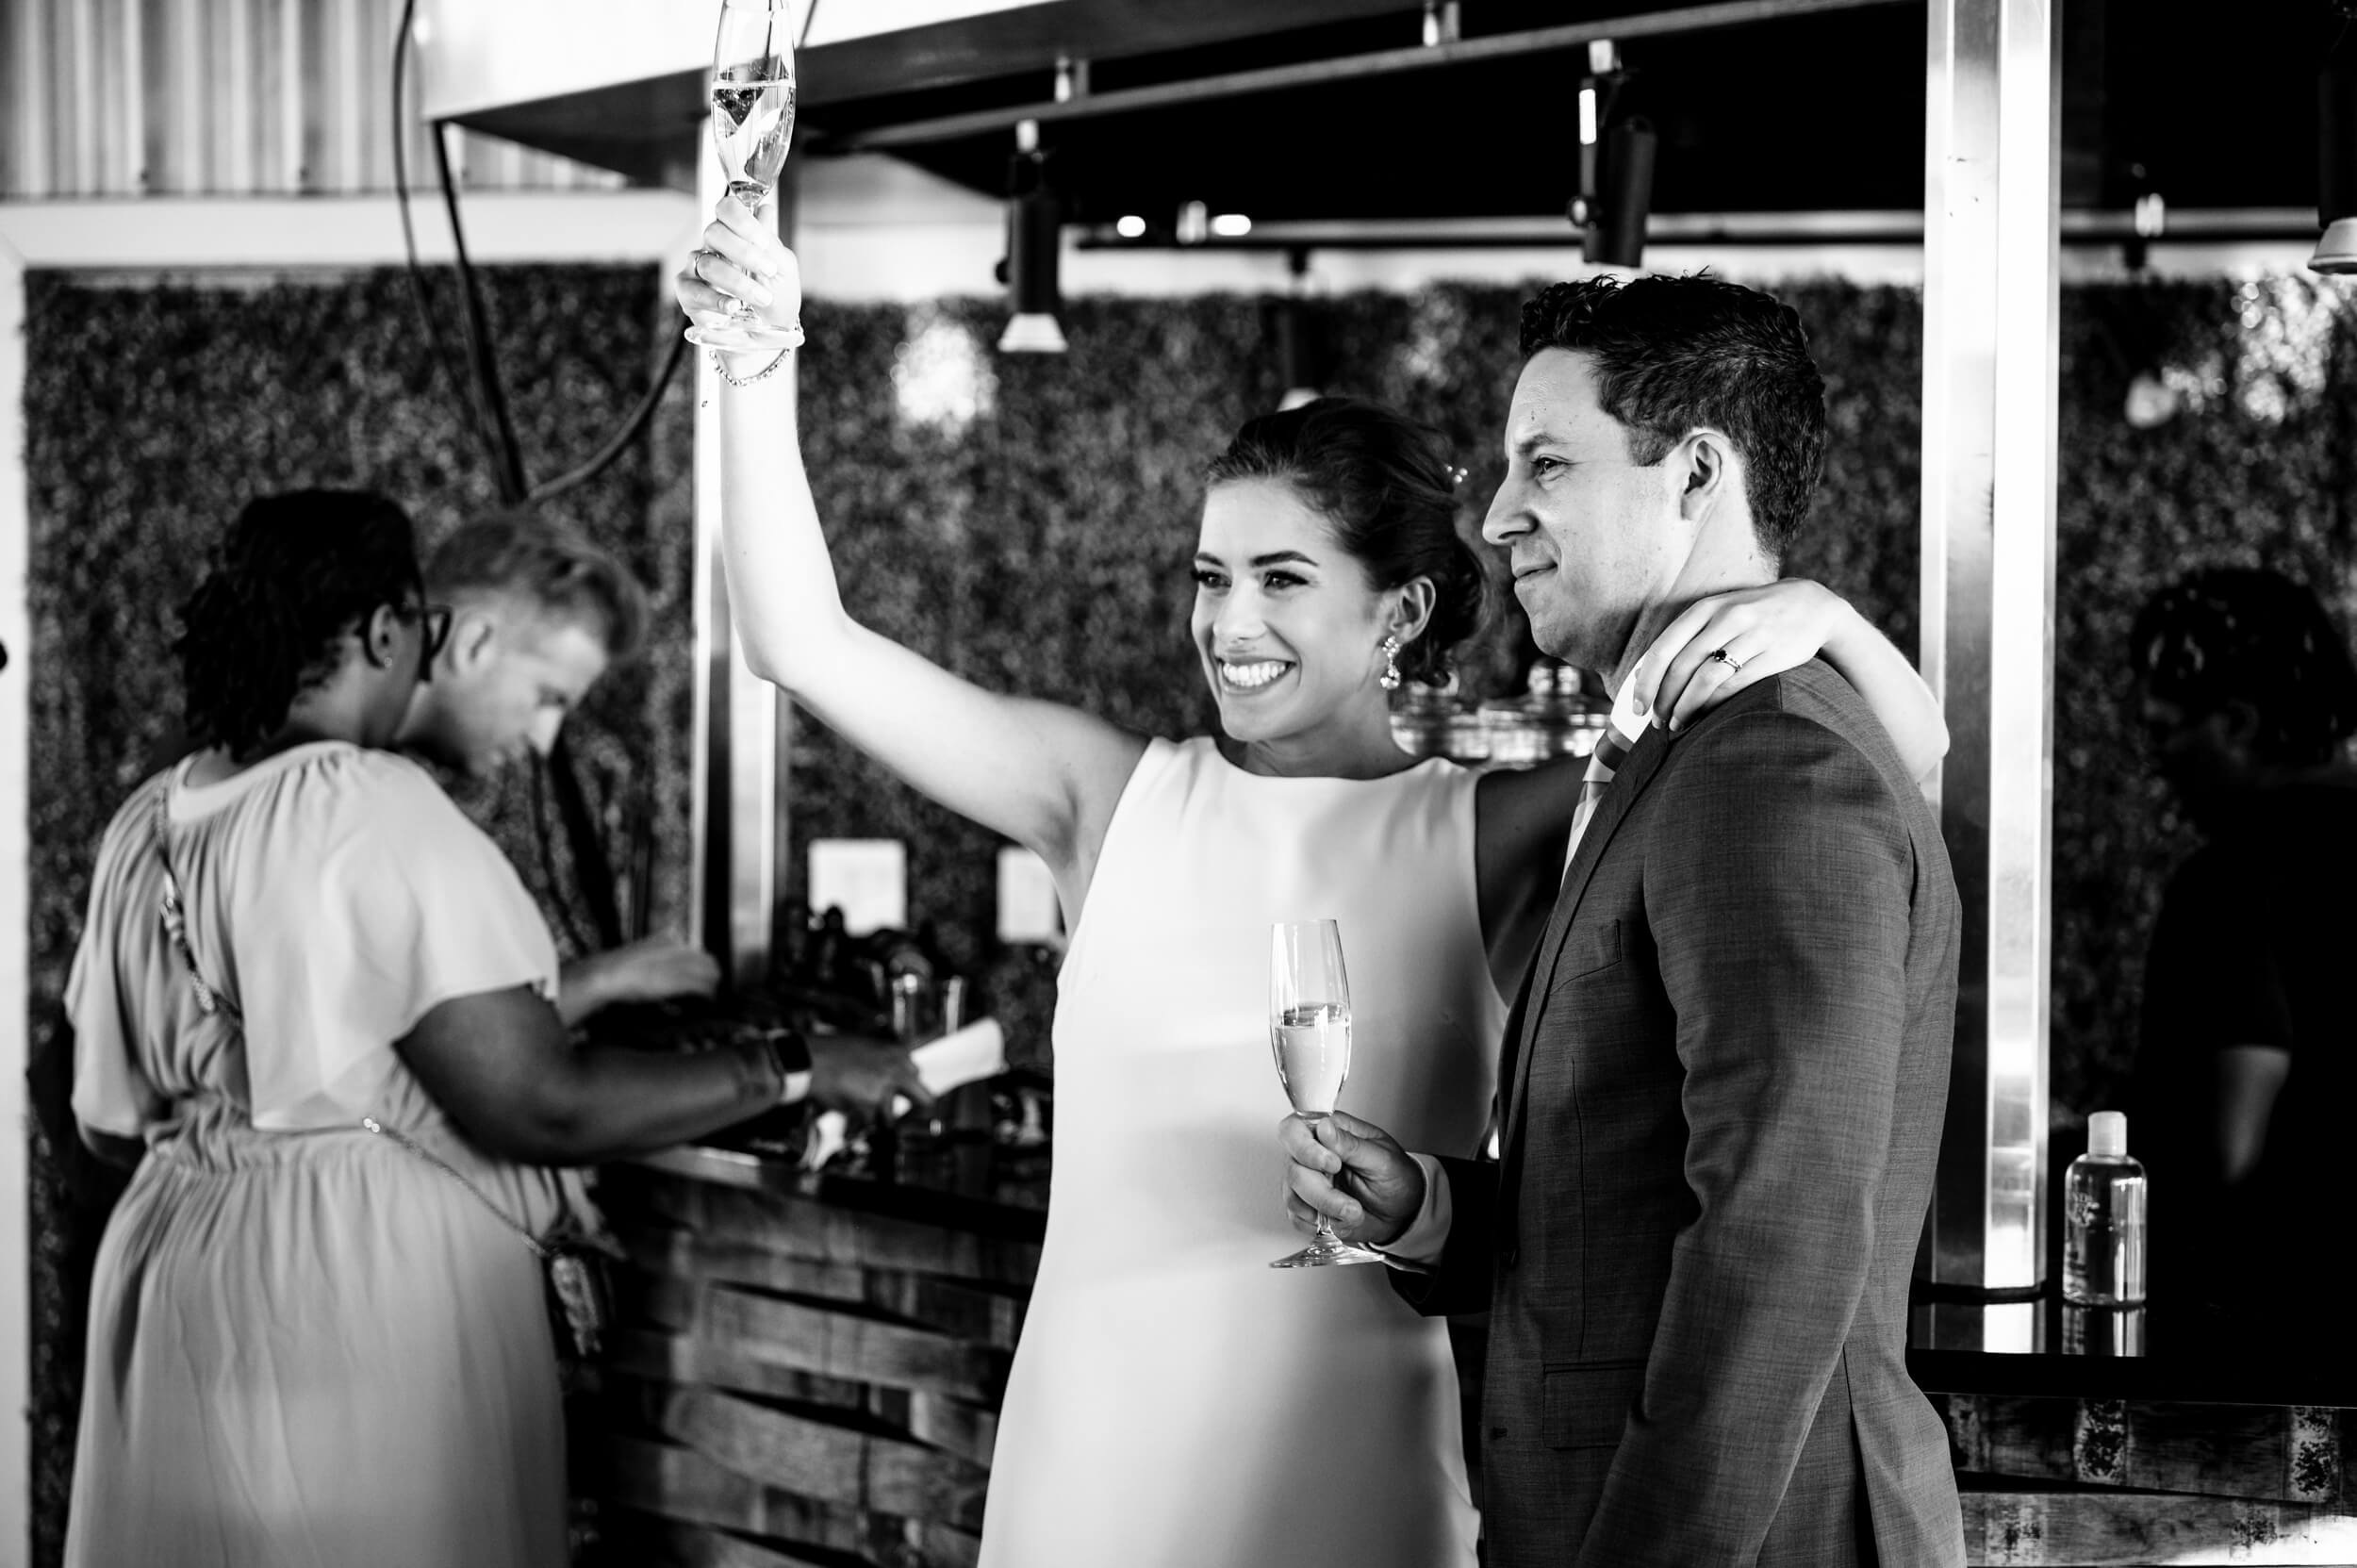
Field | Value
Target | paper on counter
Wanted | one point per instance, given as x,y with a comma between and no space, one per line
966,1056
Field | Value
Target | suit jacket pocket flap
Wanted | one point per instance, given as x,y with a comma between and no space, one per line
1588,1407
1585,952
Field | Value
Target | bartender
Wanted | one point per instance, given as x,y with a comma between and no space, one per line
535,614
2247,1071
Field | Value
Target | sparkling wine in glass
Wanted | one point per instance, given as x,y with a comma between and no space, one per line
1308,1028
753,123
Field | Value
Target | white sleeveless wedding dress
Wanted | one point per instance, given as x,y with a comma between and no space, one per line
1174,1402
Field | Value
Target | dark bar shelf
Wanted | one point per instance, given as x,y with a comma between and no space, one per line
2171,1432
2168,1350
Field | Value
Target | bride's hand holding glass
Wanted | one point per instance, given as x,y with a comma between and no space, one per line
740,260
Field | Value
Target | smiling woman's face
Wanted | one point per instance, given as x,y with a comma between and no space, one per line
1288,627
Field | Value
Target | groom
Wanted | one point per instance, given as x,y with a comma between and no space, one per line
1722,1087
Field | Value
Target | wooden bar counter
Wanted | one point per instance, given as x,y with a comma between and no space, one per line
2087,1438
808,1367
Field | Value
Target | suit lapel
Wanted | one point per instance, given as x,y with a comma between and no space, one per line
1644,759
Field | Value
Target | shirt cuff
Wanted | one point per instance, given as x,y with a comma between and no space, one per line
1427,1236
797,1087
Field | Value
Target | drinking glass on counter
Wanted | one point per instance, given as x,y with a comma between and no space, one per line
1309,1014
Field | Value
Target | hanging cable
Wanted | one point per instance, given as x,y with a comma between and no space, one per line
514,484
600,460
462,386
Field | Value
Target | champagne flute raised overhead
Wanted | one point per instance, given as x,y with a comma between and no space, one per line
1308,1018
753,123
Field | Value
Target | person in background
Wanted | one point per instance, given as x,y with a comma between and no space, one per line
2246,1069
538,613
319,1003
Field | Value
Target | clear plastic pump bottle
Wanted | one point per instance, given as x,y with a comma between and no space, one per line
2103,1201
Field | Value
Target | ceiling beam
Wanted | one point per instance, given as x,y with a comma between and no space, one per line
1382,62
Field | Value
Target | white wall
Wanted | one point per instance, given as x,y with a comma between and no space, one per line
15,927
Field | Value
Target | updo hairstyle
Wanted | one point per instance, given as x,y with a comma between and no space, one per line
1383,483
290,578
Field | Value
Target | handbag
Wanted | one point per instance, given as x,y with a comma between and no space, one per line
573,1260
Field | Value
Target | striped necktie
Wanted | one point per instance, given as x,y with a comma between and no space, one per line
1612,749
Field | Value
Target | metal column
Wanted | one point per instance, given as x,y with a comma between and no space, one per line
1992,176
735,821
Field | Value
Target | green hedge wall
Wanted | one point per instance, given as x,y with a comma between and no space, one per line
152,414
1027,522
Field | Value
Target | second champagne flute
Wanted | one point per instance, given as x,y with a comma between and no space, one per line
1308,1018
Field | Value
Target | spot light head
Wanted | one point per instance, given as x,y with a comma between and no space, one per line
2336,248
1130,227
1231,225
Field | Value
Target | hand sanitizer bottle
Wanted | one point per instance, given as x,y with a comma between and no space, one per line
2104,1219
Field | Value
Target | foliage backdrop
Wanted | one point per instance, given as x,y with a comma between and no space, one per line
1027,522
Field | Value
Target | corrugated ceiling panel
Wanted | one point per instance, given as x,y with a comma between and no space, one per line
226,98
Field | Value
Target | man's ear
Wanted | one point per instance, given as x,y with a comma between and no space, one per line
474,638
2236,723
1706,461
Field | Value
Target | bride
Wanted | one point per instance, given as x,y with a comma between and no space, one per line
1175,1401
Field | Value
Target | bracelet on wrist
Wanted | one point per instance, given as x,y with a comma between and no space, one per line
719,361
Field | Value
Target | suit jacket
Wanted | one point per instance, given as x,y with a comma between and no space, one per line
1722,1096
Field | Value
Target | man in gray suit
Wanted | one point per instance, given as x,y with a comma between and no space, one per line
1722,1087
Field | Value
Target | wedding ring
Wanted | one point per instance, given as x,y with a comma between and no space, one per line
1728,659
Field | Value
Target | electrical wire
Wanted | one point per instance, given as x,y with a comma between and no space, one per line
419,292
600,460
474,323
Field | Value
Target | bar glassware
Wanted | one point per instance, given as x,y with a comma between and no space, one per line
1308,1016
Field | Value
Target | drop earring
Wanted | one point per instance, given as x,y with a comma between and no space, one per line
1389,680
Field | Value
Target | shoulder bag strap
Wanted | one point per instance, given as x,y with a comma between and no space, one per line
209,998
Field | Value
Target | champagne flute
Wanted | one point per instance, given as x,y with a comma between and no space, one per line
752,122
1308,1028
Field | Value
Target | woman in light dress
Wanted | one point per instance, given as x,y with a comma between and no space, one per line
311,1346
1175,1401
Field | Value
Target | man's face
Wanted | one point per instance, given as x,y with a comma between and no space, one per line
502,685
2202,756
1593,540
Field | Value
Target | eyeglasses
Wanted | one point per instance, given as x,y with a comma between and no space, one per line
434,620
436,623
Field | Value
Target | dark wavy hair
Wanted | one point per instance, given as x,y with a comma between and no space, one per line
290,578
550,563
1673,355
1385,483
2239,635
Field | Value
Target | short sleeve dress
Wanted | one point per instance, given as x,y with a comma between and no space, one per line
308,1346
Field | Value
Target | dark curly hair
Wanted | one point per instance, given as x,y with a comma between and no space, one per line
291,577
2235,634
1385,483
1673,355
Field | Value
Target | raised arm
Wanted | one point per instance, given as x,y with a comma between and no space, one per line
1044,775
1779,627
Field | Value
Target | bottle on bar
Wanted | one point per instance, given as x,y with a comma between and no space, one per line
2103,1200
